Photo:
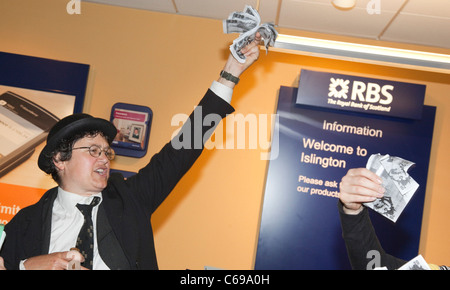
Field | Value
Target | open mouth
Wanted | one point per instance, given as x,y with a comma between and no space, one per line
101,171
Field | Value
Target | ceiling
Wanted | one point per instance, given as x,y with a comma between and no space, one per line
423,22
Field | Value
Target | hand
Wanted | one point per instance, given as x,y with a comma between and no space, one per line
2,265
54,261
77,258
236,68
358,186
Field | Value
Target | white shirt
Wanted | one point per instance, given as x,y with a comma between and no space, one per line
67,221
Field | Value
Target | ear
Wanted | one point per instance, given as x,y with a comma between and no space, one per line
60,165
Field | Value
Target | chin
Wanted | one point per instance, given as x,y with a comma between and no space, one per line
101,185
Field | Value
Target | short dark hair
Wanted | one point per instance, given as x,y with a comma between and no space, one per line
64,148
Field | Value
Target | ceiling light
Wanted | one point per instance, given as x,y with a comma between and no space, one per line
395,57
344,4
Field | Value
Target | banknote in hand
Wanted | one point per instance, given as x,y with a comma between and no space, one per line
399,185
247,23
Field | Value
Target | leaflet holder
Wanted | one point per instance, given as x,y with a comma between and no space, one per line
133,123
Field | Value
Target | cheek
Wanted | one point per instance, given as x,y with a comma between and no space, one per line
81,166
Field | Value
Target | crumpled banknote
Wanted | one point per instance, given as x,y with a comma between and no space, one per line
248,23
399,185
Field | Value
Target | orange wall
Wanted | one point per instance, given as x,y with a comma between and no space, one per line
167,62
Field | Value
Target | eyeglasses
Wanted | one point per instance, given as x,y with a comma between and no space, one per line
96,151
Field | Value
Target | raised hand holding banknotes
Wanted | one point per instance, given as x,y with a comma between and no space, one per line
247,23
358,186
399,185
235,68
384,186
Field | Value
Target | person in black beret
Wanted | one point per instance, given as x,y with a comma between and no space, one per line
105,216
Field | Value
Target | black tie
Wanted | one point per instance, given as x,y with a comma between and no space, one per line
85,240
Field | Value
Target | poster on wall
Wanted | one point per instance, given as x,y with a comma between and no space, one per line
34,94
133,123
300,226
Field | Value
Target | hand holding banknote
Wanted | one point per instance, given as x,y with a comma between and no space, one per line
399,185
384,186
248,24
358,186
236,68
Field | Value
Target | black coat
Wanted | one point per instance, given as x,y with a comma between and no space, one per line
360,238
127,203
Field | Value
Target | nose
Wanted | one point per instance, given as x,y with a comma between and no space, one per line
103,156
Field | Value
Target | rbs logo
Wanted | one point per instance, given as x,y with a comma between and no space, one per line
360,91
360,94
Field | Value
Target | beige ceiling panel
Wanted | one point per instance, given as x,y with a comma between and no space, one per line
424,30
217,9
432,8
385,5
268,10
423,22
321,16
154,5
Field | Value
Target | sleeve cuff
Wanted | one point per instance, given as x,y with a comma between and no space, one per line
22,265
222,91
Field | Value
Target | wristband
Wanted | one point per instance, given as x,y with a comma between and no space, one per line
229,77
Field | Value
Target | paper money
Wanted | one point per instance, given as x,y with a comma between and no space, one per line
397,169
399,185
248,23
418,263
